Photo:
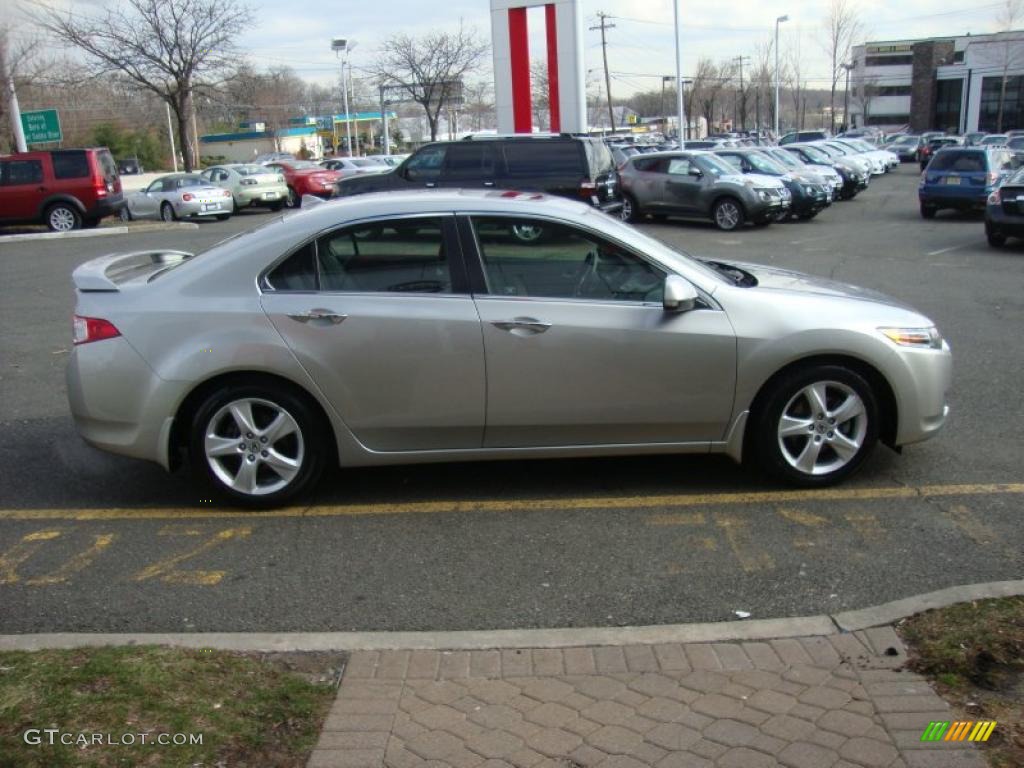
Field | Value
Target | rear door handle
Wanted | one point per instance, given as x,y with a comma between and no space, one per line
525,325
319,314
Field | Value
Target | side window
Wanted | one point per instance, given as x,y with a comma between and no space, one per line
297,272
17,172
679,166
469,160
208,174
542,157
169,185
156,186
561,263
425,165
71,164
733,160
650,165
400,256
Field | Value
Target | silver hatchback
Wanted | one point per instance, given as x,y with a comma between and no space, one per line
415,327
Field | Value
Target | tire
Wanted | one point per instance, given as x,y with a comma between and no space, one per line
223,216
995,238
928,211
62,217
528,234
293,200
728,214
167,212
630,211
248,477
807,216
783,442
124,214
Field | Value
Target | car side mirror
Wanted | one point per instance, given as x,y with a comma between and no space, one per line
679,295
697,173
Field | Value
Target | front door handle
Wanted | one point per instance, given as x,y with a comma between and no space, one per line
319,314
488,183
521,325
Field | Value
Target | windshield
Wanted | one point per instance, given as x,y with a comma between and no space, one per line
714,165
1016,143
364,163
907,140
301,165
787,159
249,170
816,154
827,150
839,149
765,164
994,140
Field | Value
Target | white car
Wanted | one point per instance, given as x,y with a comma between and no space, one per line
250,184
354,166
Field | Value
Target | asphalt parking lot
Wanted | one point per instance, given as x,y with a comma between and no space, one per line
93,542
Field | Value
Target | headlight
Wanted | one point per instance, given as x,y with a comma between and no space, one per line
914,337
809,189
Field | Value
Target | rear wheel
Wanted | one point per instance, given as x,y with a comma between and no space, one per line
257,445
124,214
63,217
816,426
995,238
728,214
167,212
630,211
530,234
928,211
293,200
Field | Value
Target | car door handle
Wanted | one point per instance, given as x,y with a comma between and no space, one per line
488,183
431,184
527,324
319,314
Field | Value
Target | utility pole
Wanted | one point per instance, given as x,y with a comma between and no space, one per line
743,95
604,25
12,98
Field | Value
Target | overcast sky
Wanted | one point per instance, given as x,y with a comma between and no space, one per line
298,34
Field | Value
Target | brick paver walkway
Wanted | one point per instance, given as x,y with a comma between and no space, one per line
818,702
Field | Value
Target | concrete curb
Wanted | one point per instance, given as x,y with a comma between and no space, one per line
758,629
98,232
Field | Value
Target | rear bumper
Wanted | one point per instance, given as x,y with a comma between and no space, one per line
219,208
106,206
117,402
941,196
997,220
256,195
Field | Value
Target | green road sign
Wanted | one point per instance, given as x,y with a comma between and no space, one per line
41,126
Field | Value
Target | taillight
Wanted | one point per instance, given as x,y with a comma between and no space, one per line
995,198
187,197
588,189
991,178
87,329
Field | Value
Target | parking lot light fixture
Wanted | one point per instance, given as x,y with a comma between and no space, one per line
341,47
778,21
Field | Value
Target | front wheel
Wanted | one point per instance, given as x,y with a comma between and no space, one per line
816,425
728,214
257,445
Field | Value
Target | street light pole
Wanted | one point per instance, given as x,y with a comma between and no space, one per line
341,46
846,98
778,21
679,80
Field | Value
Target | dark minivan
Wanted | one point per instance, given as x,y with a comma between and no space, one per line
63,188
568,166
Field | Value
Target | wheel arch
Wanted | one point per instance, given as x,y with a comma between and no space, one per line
178,438
887,404
52,200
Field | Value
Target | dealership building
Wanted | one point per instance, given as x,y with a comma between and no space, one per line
949,83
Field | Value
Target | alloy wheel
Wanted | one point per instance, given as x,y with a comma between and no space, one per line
166,212
822,428
727,215
527,233
626,212
254,446
62,219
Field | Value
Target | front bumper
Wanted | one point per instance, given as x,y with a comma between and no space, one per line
922,396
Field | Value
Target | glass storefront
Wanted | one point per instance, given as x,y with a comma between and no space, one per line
948,101
1013,105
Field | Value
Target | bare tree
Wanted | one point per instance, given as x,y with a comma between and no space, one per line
166,47
430,68
20,64
1008,50
792,75
842,26
539,96
479,104
708,83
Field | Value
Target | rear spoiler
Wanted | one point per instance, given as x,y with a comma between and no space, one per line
108,273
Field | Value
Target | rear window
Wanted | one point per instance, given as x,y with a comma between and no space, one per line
959,160
601,158
543,158
107,165
250,170
73,164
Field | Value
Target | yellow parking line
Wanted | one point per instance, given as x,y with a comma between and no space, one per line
524,505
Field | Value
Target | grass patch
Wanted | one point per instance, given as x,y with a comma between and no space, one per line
975,654
250,709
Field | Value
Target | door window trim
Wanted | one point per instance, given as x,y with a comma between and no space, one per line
453,246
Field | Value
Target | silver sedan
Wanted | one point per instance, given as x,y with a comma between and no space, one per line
178,196
414,327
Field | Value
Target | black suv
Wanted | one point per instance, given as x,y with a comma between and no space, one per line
578,167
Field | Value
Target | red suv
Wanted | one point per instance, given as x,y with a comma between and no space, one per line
63,188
